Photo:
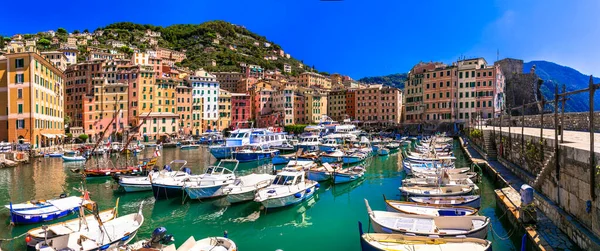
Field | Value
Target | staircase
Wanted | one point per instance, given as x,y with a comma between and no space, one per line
549,166
489,146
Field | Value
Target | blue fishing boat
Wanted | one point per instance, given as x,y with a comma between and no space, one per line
383,151
252,153
43,210
348,175
333,157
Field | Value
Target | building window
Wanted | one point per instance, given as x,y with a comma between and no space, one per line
20,108
20,93
19,63
19,78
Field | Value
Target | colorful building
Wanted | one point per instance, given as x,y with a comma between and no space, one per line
184,106
224,110
336,105
205,94
32,90
308,79
240,107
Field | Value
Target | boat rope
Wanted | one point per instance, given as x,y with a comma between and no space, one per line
13,238
508,235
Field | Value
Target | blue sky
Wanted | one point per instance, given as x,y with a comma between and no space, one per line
361,38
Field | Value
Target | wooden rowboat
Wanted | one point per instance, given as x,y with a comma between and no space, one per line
427,209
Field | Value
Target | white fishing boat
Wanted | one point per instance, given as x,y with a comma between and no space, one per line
427,209
242,137
442,226
309,142
73,158
212,183
443,179
329,145
383,151
322,172
348,174
299,165
473,201
288,188
208,244
244,188
107,236
435,191
48,232
144,183
188,144
170,184
401,242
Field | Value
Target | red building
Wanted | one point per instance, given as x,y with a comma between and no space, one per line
351,103
240,107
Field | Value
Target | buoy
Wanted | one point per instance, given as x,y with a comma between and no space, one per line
318,185
298,195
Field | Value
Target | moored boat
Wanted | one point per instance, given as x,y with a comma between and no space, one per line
244,188
212,183
402,242
436,191
383,151
442,226
253,153
322,172
473,201
37,211
427,209
348,174
288,188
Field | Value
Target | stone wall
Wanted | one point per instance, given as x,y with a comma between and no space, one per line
574,121
570,193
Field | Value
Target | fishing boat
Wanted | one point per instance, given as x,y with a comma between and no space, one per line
144,183
242,137
253,153
436,191
348,174
48,232
422,225
244,188
56,154
322,172
188,144
352,157
283,158
300,165
72,158
212,183
402,242
383,151
332,157
211,137
37,211
286,147
106,172
329,145
473,201
106,236
208,244
427,209
393,146
288,188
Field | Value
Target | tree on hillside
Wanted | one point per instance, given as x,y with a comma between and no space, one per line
61,31
76,32
86,31
44,42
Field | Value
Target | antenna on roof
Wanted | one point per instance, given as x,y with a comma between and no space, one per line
497,54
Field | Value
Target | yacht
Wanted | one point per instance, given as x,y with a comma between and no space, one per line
309,142
243,137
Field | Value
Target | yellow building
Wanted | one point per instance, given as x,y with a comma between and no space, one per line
315,104
309,79
31,90
224,110
164,99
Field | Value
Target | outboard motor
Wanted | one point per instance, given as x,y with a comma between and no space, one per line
167,167
159,236
187,170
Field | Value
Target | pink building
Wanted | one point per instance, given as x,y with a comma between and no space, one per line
261,103
240,107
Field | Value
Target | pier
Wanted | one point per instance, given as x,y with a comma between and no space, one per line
562,173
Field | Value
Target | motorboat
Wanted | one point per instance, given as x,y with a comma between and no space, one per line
253,153
289,187
188,144
423,225
309,142
403,242
56,154
244,188
436,191
73,157
48,232
349,174
408,207
211,137
329,145
323,172
144,183
473,201
250,136
212,183
36,211
169,185
107,236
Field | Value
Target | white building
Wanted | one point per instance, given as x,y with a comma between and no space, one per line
140,58
205,91
287,68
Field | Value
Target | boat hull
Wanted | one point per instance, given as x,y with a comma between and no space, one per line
205,192
325,148
290,199
241,197
279,160
221,152
339,178
330,159
130,188
19,218
162,192
480,233
247,157
471,203
351,159
318,176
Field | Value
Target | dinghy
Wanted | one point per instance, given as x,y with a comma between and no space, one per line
348,174
435,191
427,209
442,226
333,157
401,242
73,158
44,210
473,201
108,236
383,151
288,188
244,188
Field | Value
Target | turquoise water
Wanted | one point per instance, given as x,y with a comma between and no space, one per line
328,221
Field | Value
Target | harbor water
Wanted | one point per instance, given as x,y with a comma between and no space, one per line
327,221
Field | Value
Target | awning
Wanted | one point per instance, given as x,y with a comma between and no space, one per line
50,136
